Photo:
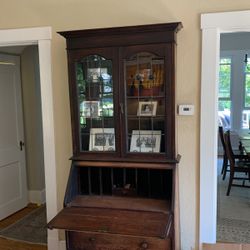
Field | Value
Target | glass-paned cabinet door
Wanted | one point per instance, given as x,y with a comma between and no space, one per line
145,103
95,104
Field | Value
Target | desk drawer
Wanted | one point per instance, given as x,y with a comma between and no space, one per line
98,241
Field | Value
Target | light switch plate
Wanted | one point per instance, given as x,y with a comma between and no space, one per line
186,109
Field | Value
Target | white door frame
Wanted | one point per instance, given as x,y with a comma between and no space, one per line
41,36
212,25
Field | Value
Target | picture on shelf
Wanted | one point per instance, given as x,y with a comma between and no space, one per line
145,141
91,109
102,139
147,109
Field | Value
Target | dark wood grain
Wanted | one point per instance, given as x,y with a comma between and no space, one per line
117,44
136,204
113,221
98,241
125,164
119,199
121,36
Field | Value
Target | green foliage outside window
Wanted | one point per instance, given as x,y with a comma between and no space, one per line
225,84
247,86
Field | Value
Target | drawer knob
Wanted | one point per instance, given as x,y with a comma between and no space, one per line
91,239
144,245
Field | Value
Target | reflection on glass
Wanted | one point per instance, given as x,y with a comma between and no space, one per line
144,75
145,102
95,98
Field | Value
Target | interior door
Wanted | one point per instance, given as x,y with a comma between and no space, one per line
13,184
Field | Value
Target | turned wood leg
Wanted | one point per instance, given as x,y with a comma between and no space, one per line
230,183
225,164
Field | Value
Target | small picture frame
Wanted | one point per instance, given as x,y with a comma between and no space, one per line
147,109
145,141
102,139
91,109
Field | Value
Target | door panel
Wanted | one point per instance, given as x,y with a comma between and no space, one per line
10,172
13,184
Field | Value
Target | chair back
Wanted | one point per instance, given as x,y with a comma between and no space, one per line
221,133
229,150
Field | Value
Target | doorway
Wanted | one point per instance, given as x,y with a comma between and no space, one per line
20,64
12,152
42,37
233,213
212,25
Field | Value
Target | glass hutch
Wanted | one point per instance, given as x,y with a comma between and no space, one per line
120,192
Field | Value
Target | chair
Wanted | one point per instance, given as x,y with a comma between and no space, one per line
238,154
235,166
225,159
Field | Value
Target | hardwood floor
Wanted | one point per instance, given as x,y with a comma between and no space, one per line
16,245
226,246
6,244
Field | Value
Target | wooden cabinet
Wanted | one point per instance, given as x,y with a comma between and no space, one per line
120,192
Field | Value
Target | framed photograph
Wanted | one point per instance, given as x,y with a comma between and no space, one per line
91,109
102,139
145,141
147,109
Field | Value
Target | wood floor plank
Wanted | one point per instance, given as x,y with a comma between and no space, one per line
246,247
226,246
16,245
221,246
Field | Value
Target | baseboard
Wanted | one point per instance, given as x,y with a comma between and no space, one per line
62,245
37,196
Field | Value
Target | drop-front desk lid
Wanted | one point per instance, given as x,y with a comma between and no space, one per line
142,219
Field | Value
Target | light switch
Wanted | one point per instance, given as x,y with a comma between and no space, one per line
186,109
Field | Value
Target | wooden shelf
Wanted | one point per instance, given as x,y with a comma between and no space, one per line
136,117
164,164
124,203
113,221
141,97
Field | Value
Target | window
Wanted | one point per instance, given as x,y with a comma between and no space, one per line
225,91
246,111
247,85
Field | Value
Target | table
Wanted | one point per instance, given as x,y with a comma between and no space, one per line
244,137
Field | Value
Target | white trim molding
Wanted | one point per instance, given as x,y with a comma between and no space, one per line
212,25
42,37
62,245
37,196
26,36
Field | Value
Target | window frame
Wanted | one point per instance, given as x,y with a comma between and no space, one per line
245,73
230,90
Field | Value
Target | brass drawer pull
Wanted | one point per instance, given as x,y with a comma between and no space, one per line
91,239
144,245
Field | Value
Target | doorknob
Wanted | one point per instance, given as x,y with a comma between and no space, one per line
21,144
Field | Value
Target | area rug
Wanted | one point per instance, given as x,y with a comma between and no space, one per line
231,230
233,212
31,228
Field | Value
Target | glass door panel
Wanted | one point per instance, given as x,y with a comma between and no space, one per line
145,103
95,104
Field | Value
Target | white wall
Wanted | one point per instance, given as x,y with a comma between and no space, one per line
33,121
